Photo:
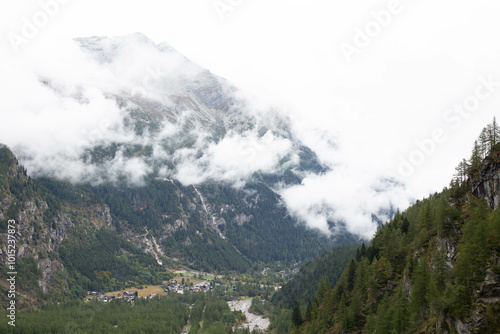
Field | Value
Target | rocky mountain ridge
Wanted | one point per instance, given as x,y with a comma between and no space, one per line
201,227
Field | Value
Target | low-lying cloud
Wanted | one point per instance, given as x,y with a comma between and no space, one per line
64,103
234,159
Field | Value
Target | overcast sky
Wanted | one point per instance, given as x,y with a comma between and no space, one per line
402,88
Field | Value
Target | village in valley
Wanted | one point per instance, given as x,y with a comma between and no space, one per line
171,287
195,282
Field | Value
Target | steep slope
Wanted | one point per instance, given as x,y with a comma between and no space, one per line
175,168
73,238
305,283
61,250
433,268
186,166
192,96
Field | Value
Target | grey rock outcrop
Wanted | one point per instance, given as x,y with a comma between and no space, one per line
487,184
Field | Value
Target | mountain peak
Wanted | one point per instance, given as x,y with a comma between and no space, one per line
111,46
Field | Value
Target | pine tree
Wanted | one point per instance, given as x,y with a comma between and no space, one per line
399,310
489,137
309,312
475,160
354,312
370,323
405,225
440,268
441,217
383,319
383,270
461,172
351,271
363,250
296,315
425,217
483,143
420,291
495,132
323,288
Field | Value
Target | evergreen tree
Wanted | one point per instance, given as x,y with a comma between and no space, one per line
324,287
483,143
399,310
440,269
420,291
493,132
363,250
461,172
354,312
383,320
296,315
309,311
475,160
496,132
351,271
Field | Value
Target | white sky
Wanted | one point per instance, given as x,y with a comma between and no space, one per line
426,57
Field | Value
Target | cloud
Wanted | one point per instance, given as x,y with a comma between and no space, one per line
345,199
61,103
234,159
64,102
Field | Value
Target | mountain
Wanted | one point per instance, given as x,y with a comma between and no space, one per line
62,251
69,235
433,268
211,104
183,170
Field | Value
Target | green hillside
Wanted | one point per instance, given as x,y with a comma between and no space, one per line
433,268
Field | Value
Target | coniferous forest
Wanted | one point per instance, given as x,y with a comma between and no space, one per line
431,269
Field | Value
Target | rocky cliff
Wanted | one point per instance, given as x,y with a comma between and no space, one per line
42,225
487,184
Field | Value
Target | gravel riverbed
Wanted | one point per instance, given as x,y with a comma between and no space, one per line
253,320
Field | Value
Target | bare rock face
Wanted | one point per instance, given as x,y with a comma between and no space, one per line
242,219
489,290
102,216
487,184
460,326
48,268
487,294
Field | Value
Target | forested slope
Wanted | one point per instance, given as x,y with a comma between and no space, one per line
433,268
304,284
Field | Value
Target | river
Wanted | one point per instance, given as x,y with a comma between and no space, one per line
253,320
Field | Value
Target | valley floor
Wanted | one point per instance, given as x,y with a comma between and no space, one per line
253,320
